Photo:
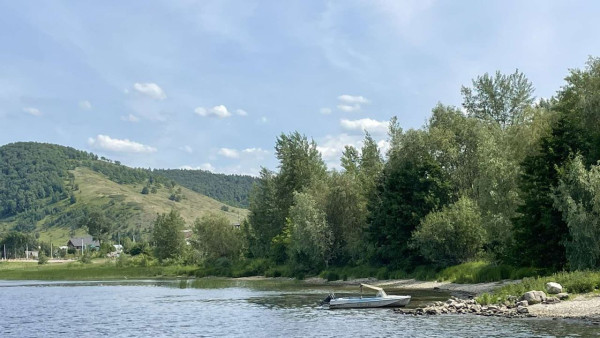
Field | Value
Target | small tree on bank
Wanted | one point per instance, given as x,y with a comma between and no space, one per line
167,235
216,237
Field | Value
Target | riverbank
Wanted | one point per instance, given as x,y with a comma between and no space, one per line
585,306
467,290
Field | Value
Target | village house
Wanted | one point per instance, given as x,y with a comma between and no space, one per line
86,242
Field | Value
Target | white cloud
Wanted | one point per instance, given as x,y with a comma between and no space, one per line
151,90
32,111
241,112
351,103
331,147
256,153
325,111
229,153
219,111
203,166
130,118
348,108
187,149
85,105
350,99
372,126
105,142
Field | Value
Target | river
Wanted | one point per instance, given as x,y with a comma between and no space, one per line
234,308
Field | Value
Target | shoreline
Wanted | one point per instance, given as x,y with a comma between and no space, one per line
580,307
455,289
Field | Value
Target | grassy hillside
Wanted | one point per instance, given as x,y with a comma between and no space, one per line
47,190
134,212
231,189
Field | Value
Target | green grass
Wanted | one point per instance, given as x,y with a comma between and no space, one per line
572,282
484,272
95,271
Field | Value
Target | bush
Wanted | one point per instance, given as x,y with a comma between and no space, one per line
86,258
42,258
122,260
452,235
332,276
253,267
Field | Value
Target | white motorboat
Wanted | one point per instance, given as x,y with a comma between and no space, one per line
380,300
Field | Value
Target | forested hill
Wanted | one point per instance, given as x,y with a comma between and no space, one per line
231,189
48,189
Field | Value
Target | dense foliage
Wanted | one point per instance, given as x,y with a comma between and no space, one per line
231,189
506,179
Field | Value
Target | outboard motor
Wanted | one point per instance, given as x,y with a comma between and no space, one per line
329,298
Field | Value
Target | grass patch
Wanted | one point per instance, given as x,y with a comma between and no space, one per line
572,282
95,271
485,272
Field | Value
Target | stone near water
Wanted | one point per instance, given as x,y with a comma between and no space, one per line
553,288
552,300
522,310
562,296
534,297
523,303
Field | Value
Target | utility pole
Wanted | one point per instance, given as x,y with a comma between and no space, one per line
82,246
50,250
26,251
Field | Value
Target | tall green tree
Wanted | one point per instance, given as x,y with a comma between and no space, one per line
577,197
167,235
300,165
310,235
412,185
499,99
264,220
345,210
350,160
370,165
98,225
540,230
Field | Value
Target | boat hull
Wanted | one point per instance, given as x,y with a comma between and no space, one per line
369,302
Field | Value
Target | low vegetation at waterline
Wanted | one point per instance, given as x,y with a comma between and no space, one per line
572,282
98,270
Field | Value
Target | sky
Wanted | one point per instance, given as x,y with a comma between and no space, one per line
211,84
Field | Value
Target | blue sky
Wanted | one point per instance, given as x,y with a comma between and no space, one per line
210,84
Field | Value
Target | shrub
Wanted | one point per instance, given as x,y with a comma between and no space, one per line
42,258
86,258
452,235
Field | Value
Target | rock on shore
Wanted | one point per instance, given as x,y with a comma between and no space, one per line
468,306
512,307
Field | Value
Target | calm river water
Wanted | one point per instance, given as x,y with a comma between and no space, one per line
216,308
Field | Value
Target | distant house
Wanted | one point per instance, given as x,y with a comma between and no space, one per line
87,242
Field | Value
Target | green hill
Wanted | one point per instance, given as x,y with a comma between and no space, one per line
231,189
48,189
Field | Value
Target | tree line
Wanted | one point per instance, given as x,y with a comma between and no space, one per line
505,178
